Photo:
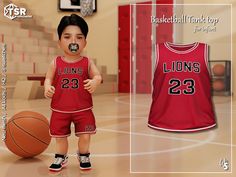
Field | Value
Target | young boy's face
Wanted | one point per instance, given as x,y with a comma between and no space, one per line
72,35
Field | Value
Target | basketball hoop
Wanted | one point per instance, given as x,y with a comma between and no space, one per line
86,7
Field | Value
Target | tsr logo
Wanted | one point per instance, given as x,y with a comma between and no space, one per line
12,11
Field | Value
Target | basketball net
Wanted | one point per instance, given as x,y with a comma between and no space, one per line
86,7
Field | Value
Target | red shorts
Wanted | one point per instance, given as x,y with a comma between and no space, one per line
84,122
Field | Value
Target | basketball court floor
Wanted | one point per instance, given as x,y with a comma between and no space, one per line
154,153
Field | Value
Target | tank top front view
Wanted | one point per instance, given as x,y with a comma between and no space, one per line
70,95
181,98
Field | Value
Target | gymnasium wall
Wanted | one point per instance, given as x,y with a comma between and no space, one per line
102,38
103,34
220,48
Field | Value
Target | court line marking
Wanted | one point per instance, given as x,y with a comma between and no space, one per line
208,140
199,142
166,137
118,100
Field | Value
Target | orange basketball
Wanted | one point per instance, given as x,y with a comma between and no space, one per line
218,70
27,134
218,85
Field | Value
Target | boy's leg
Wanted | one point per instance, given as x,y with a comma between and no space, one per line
84,126
60,129
61,145
61,158
83,153
83,143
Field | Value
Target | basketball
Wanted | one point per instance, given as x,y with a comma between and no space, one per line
218,70
27,134
218,85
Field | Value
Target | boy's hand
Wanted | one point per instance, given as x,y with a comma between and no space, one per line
49,91
90,85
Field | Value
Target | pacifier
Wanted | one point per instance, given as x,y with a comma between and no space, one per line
73,47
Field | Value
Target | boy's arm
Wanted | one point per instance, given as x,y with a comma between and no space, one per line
94,72
48,88
96,78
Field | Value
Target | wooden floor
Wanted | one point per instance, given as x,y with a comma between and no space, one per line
142,152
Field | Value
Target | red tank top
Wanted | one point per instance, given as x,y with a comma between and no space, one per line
181,99
70,95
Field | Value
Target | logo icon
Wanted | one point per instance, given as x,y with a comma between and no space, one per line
224,163
12,11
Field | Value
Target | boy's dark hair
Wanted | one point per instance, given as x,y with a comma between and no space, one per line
73,19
